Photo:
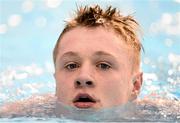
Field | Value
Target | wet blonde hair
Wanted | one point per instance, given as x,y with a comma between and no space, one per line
125,26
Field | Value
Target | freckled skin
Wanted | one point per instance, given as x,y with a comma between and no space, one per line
112,86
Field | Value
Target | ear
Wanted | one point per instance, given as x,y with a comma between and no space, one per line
137,83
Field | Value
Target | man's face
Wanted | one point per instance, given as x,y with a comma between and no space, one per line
93,69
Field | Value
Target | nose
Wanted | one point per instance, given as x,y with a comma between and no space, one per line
85,78
82,84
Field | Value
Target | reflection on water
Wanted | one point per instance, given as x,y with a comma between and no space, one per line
48,108
119,113
129,112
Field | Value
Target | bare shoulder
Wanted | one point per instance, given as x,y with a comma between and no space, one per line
21,106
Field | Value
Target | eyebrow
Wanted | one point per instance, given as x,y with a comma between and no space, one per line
69,54
96,55
102,53
105,55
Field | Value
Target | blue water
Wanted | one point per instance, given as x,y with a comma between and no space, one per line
38,120
52,111
26,66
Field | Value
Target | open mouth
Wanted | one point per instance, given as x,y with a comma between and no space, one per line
84,101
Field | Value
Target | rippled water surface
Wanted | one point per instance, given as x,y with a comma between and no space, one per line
43,109
28,32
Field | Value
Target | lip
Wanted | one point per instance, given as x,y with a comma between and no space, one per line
80,104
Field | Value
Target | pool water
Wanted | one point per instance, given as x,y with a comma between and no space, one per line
26,67
52,111
34,81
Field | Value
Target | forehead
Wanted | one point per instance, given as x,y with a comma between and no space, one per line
86,39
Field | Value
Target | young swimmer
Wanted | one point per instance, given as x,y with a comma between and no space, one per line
97,65
97,59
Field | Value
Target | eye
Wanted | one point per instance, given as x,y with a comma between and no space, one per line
71,66
104,66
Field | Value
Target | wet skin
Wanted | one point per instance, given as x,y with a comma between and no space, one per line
97,63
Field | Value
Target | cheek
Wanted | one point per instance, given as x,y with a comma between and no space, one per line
63,81
63,86
114,89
